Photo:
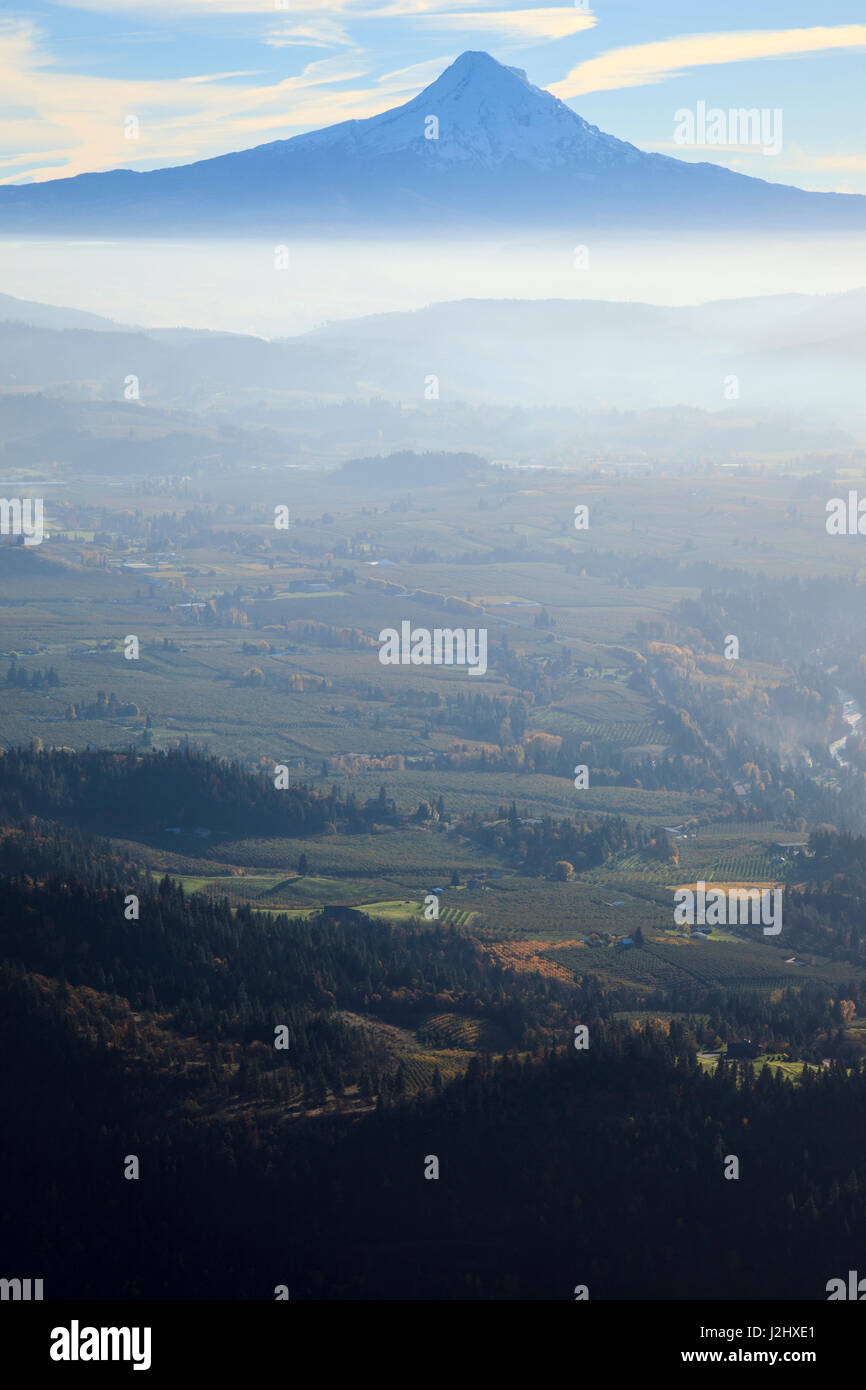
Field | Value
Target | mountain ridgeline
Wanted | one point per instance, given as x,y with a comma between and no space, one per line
541,355
502,151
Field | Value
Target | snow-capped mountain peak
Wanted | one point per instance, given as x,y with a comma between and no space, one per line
479,111
479,148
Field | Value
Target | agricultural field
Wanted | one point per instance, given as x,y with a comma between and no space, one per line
743,962
730,962
389,874
405,853
455,1031
790,1069
237,659
275,891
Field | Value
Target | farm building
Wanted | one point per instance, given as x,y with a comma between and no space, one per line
746,1049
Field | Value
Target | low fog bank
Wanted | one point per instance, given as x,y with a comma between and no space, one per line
795,356
275,290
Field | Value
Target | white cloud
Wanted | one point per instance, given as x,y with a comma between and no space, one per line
70,123
847,163
311,33
211,8
205,8
646,63
796,165
220,76
418,74
556,22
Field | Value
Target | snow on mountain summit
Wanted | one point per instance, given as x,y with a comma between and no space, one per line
487,113
480,148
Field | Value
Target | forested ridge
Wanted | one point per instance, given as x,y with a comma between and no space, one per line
154,1035
530,1153
128,793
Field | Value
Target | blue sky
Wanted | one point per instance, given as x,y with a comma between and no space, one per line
201,77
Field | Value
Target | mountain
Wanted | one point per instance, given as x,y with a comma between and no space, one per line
805,351
49,316
31,313
801,351
506,154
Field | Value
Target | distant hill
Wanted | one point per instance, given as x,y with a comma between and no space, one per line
786,353
49,316
505,153
408,469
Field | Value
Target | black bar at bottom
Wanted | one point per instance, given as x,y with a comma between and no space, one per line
168,1340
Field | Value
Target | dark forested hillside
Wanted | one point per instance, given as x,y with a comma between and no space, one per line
127,794
528,1152
151,1034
